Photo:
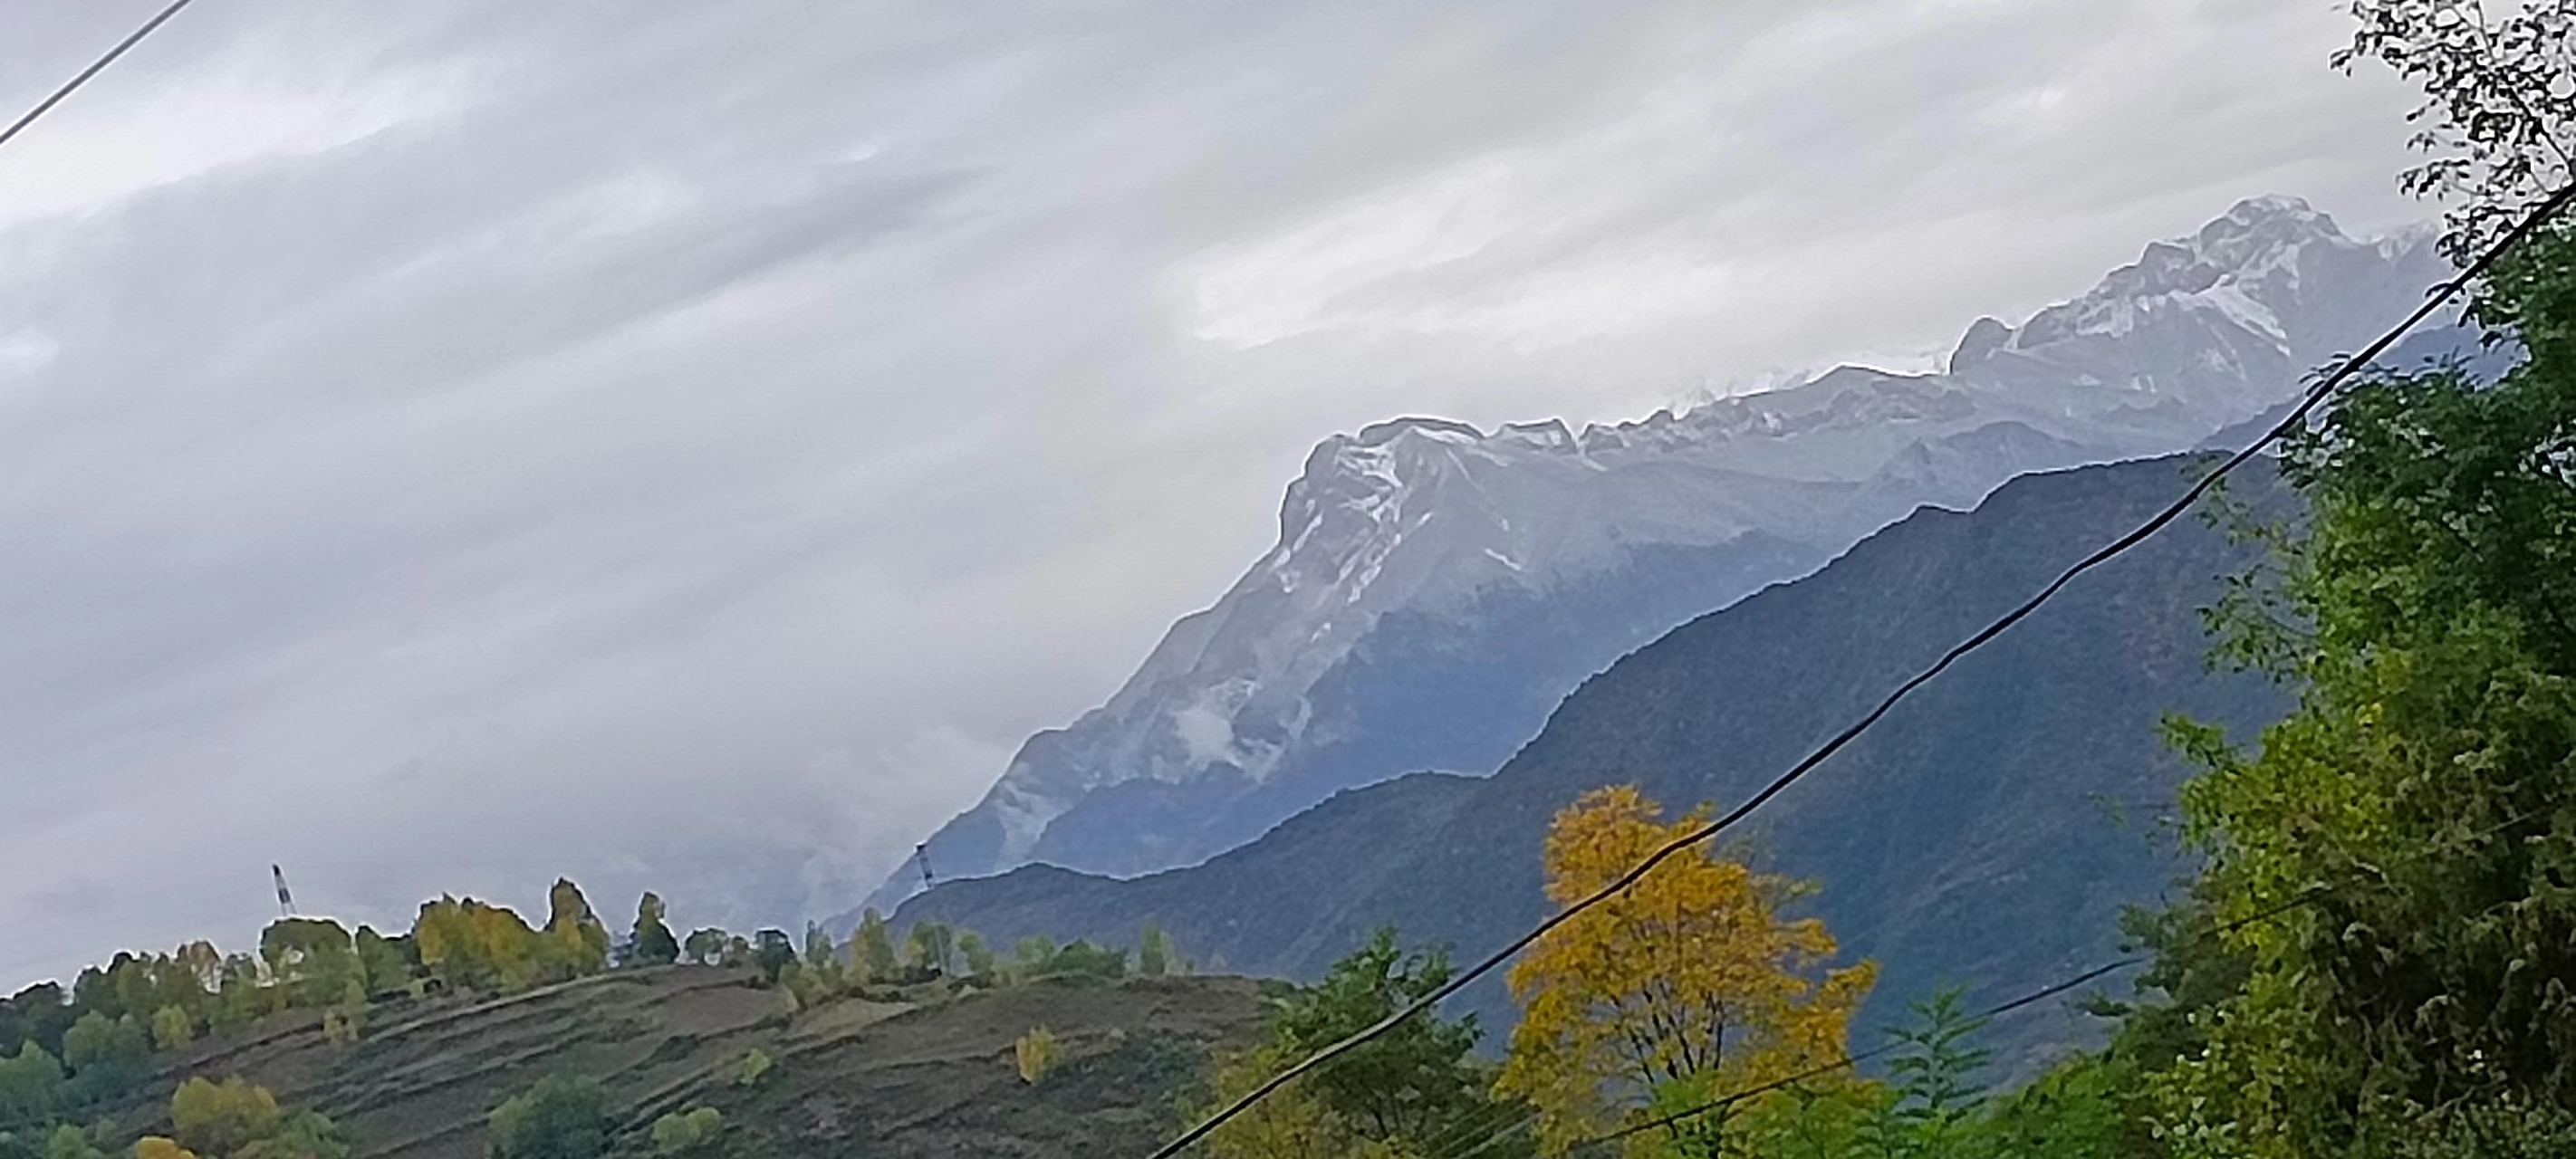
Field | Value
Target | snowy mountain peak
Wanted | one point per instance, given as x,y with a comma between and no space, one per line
1249,709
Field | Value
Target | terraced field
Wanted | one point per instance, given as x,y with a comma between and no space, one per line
920,1071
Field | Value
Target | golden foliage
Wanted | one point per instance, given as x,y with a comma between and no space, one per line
1036,1053
477,946
156,1147
221,1118
1689,980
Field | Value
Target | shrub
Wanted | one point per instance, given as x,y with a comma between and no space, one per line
684,1131
754,1064
70,1142
173,1028
221,1118
1037,1053
559,1118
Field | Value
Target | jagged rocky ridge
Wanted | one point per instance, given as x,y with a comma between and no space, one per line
1436,589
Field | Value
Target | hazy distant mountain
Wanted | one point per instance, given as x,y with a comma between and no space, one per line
1986,833
1436,589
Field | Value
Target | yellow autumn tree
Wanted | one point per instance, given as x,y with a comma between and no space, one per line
1688,987
472,945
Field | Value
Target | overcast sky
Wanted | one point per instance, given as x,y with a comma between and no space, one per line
690,444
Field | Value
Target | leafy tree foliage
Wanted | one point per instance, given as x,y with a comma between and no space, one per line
1290,1124
1688,986
558,1118
872,948
1939,1089
2422,799
652,943
705,945
70,1142
577,942
31,1086
470,945
315,957
1153,951
2500,97
2423,796
978,955
682,1132
40,1014
387,964
173,1028
222,1118
236,1120
930,947
107,1057
1036,1053
771,954
822,959
1407,1083
1416,1090
1030,956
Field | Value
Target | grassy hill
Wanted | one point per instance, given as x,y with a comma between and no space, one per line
916,1071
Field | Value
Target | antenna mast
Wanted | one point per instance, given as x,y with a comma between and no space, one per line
921,853
285,900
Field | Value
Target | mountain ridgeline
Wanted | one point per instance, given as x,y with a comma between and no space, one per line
1986,833
1436,590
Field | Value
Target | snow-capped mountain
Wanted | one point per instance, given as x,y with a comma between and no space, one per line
1437,589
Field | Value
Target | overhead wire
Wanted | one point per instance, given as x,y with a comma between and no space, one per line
2316,395
1478,1130
2308,896
96,66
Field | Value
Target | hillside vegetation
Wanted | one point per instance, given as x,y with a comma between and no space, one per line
920,1069
2356,689
1988,833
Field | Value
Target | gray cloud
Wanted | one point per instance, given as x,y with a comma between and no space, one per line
688,445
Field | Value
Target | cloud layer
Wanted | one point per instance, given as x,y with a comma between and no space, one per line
689,445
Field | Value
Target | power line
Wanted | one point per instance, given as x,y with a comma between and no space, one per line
93,70
2297,418
2308,896
1849,1061
1479,1131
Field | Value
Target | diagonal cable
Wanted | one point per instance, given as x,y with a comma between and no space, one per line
2309,896
96,66
2297,418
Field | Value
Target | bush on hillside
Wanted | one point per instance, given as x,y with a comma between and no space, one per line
1037,1052
681,1132
559,1118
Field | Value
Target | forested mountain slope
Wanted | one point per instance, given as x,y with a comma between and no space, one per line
1987,832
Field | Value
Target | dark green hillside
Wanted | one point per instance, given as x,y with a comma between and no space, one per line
1261,904
1988,832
